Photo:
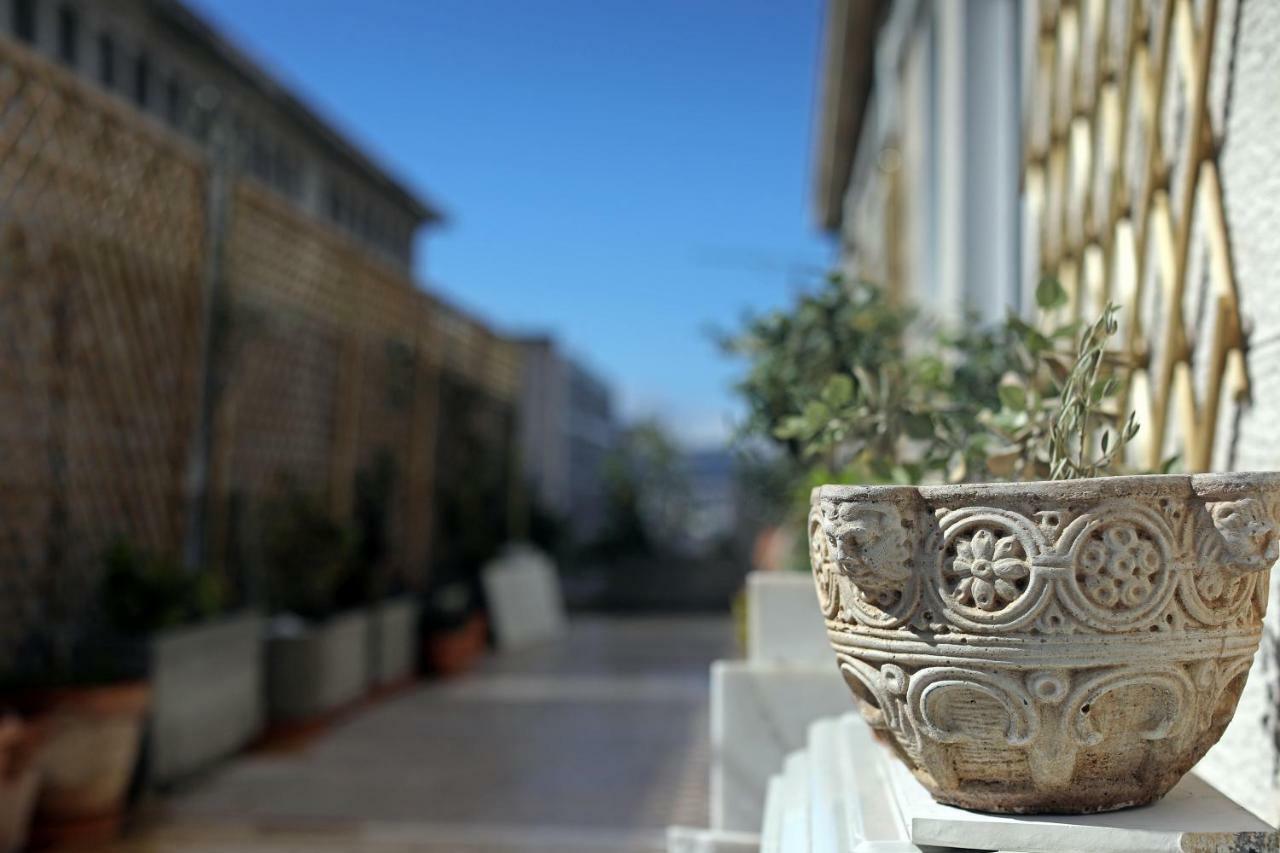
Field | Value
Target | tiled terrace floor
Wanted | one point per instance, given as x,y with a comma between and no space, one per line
596,742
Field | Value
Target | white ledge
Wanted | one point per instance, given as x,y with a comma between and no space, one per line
845,793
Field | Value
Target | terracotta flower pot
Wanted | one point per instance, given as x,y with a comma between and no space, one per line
454,651
93,735
19,781
1070,646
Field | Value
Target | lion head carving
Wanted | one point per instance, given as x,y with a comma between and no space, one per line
1248,531
869,544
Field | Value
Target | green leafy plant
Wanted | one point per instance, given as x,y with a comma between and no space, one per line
647,494
143,593
371,575
308,556
1059,415
836,384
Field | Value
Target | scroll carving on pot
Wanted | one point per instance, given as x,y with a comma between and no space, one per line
863,561
1071,646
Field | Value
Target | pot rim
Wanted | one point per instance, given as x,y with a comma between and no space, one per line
122,698
1214,486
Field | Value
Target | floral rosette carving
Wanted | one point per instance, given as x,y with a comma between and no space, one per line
987,572
1121,559
1118,567
985,578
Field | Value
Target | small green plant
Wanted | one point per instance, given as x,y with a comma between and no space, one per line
308,556
371,575
143,593
1059,415
852,386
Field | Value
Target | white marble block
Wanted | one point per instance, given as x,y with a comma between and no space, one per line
523,591
1193,816
761,711
784,621
846,793
834,797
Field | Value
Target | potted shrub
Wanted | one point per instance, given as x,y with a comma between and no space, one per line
87,683
81,676
317,657
393,615
1071,641
19,780
205,664
455,632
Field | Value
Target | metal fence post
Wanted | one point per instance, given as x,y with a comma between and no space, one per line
221,157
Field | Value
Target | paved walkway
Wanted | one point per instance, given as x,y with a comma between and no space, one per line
596,742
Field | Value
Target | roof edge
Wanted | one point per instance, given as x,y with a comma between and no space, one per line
179,16
845,79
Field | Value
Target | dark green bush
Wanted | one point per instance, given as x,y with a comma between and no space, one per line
143,593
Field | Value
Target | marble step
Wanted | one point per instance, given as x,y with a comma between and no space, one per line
833,797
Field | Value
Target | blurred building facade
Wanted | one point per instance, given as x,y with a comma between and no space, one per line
1127,149
174,68
714,511
567,431
193,328
918,149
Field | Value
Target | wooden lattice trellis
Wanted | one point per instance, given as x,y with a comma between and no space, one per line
1121,182
327,359
100,274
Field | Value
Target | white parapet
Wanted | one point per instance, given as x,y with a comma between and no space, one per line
522,588
684,839
784,622
834,797
760,711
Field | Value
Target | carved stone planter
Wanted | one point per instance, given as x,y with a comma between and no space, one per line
1070,646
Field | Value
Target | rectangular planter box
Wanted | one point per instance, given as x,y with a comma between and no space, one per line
318,670
206,694
393,641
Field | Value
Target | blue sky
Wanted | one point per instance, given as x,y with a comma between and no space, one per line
621,173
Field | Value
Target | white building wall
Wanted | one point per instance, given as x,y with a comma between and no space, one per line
1246,92
945,111
544,425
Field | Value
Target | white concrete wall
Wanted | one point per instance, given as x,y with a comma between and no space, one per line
1246,93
